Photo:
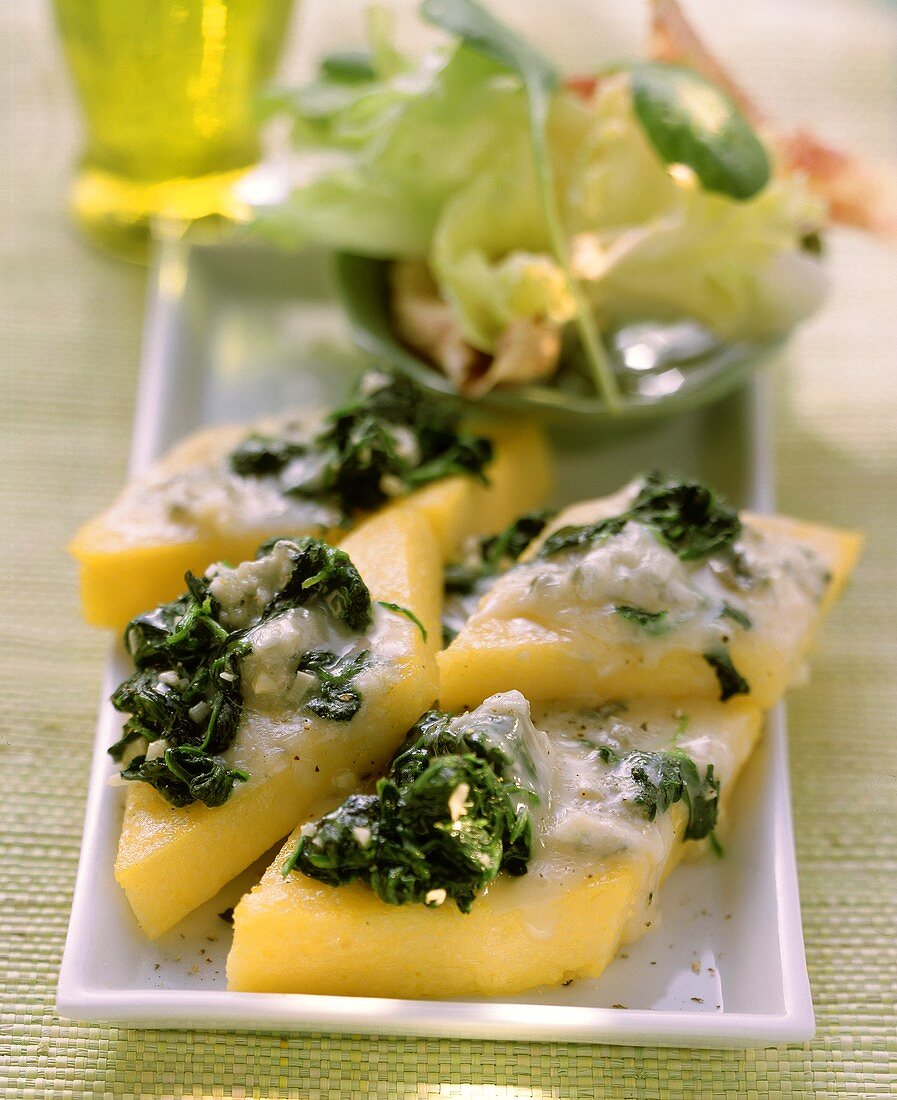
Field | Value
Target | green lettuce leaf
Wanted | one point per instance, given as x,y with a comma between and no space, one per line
530,201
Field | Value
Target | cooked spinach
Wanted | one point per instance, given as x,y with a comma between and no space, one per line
572,537
731,682
689,517
185,692
389,438
495,553
186,688
186,774
652,622
686,516
264,455
335,696
323,575
454,811
661,779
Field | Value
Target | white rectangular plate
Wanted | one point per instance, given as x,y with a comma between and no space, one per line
234,332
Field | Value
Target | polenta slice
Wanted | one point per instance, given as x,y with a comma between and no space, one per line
659,590
601,805
221,492
307,665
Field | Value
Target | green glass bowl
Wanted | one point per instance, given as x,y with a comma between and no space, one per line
698,380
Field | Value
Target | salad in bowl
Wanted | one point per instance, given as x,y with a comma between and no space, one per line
611,243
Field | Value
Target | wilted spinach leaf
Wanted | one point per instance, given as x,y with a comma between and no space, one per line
186,689
186,774
496,553
731,682
336,697
661,779
454,811
322,574
652,622
389,438
688,517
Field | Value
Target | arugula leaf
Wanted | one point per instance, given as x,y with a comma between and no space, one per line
408,613
652,622
335,698
731,682
693,122
485,34
453,812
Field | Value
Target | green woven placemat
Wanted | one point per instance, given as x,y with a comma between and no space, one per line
69,333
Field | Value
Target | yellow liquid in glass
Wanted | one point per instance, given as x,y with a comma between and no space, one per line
168,92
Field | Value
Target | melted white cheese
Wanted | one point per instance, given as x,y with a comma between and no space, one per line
587,812
193,493
274,730
580,591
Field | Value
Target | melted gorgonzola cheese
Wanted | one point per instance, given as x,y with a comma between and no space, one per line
274,726
588,810
194,494
773,584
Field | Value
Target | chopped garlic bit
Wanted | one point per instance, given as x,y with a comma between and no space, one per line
155,749
362,836
435,897
457,803
391,485
199,711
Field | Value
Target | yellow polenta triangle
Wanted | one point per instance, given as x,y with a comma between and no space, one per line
623,616
591,883
189,510
172,859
